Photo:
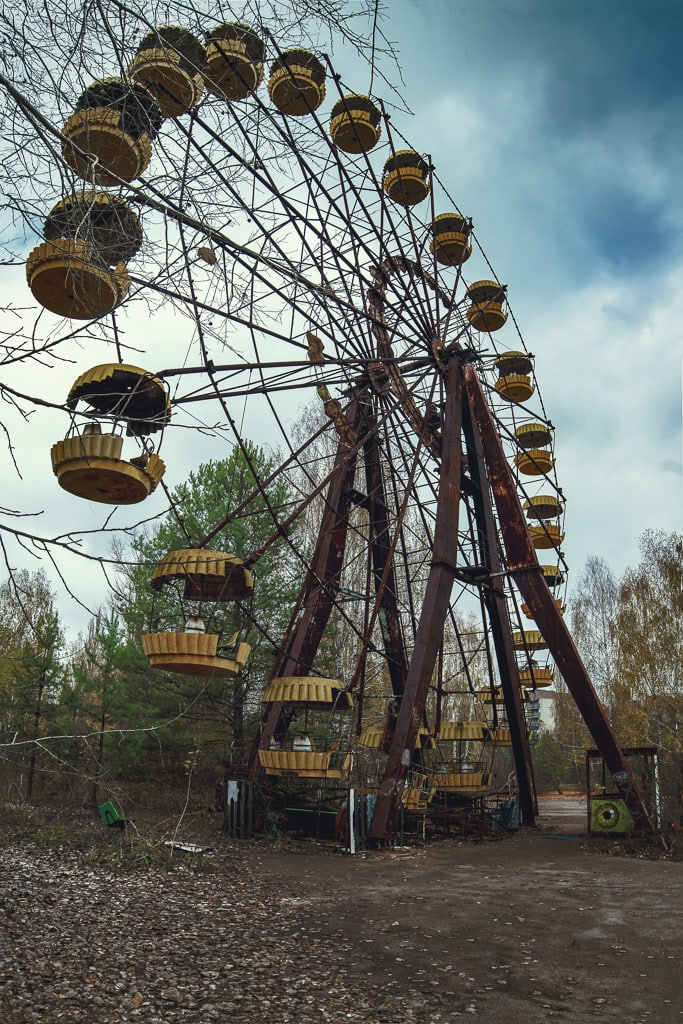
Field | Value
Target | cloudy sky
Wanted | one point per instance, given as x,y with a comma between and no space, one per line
556,127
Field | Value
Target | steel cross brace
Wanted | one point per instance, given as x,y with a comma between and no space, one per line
318,592
496,605
433,614
524,567
317,596
382,566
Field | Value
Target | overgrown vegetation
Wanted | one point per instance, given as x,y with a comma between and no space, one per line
629,632
94,721
95,717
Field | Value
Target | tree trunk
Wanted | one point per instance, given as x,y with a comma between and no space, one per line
37,715
100,757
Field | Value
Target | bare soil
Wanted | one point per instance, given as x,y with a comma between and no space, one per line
543,925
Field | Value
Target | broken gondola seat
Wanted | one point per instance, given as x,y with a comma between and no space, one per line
110,816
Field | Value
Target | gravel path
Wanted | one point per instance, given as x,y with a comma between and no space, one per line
87,944
533,928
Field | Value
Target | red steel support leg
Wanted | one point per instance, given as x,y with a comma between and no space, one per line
496,604
319,589
382,567
526,571
432,616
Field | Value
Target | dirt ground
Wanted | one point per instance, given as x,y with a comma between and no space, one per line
543,925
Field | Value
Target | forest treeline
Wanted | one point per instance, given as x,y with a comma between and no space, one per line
90,719
629,632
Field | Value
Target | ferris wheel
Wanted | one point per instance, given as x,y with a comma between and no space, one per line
317,258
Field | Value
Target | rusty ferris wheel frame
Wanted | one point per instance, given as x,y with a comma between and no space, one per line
471,461
410,371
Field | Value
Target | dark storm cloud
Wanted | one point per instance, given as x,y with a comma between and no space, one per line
582,103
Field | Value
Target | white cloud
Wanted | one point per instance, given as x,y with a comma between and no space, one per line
607,346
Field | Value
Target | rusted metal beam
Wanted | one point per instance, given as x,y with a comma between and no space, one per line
496,606
319,589
432,615
528,575
382,566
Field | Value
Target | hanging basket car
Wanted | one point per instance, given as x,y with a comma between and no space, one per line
450,234
534,461
355,124
169,63
514,383
124,392
559,604
536,677
405,178
458,782
299,754
533,435
547,536
513,362
207,575
515,387
68,277
528,640
114,124
486,312
234,61
105,223
194,654
553,575
297,82
90,466
543,506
